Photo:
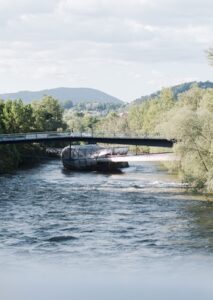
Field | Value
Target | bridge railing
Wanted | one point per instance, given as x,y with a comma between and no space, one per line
33,135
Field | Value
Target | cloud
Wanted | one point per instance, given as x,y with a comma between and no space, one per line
66,38
15,7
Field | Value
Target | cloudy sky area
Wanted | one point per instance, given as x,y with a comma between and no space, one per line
127,48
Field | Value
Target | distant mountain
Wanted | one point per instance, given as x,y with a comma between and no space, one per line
75,95
177,89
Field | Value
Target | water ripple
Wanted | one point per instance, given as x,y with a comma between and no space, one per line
136,216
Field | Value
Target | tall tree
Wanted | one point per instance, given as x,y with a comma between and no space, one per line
17,117
48,114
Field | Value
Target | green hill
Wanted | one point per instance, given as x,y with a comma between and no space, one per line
63,94
177,89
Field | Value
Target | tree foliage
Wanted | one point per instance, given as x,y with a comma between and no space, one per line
190,121
16,117
48,114
43,115
80,122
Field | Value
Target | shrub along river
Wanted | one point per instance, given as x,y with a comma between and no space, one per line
130,221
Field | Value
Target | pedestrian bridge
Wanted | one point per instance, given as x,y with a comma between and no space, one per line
105,138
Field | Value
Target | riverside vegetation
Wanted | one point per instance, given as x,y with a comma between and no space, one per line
17,117
188,118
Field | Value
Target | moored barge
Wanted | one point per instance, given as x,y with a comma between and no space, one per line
93,158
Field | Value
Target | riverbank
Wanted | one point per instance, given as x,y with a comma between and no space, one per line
13,157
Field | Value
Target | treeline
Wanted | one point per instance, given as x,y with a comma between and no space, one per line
17,117
43,115
189,120
178,89
93,106
134,120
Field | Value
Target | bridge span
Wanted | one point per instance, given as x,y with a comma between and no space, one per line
45,137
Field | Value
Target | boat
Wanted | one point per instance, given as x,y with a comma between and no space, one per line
93,158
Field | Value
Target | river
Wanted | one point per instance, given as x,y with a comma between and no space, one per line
130,221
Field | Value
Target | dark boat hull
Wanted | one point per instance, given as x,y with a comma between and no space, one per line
93,165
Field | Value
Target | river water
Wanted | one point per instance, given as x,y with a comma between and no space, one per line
140,215
130,221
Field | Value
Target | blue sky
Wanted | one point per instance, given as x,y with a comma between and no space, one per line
127,48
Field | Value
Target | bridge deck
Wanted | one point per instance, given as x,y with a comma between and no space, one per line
42,137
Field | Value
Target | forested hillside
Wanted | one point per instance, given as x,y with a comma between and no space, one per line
178,89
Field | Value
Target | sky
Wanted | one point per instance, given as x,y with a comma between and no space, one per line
127,48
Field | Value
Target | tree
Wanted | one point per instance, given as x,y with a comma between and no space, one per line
144,118
48,114
190,122
191,98
135,119
17,117
89,122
